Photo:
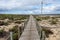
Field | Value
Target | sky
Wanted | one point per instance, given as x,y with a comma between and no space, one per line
29,6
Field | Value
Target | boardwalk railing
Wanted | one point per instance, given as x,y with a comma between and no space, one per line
25,23
40,31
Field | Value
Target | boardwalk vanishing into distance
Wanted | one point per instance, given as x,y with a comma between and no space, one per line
30,31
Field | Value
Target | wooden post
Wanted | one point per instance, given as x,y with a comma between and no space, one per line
18,32
43,35
40,32
11,38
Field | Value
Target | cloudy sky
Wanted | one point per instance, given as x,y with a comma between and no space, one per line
29,6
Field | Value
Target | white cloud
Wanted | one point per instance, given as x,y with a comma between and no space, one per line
17,3
32,5
49,8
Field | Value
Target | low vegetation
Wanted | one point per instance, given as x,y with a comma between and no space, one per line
13,17
18,22
42,18
15,32
8,20
2,33
47,31
53,21
3,23
38,19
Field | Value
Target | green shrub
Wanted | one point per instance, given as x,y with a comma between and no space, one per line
15,32
2,33
54,21
47,31
23,17
3,23
17,19
53,17
15,36
38,19
45,18
18,22
14,29
11,17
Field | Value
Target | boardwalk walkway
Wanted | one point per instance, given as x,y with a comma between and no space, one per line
30,31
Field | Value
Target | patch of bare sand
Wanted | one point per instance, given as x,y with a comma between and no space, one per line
56,31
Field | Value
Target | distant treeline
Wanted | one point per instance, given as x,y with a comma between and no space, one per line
11,16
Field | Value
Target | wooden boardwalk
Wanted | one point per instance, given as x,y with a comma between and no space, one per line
30,31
